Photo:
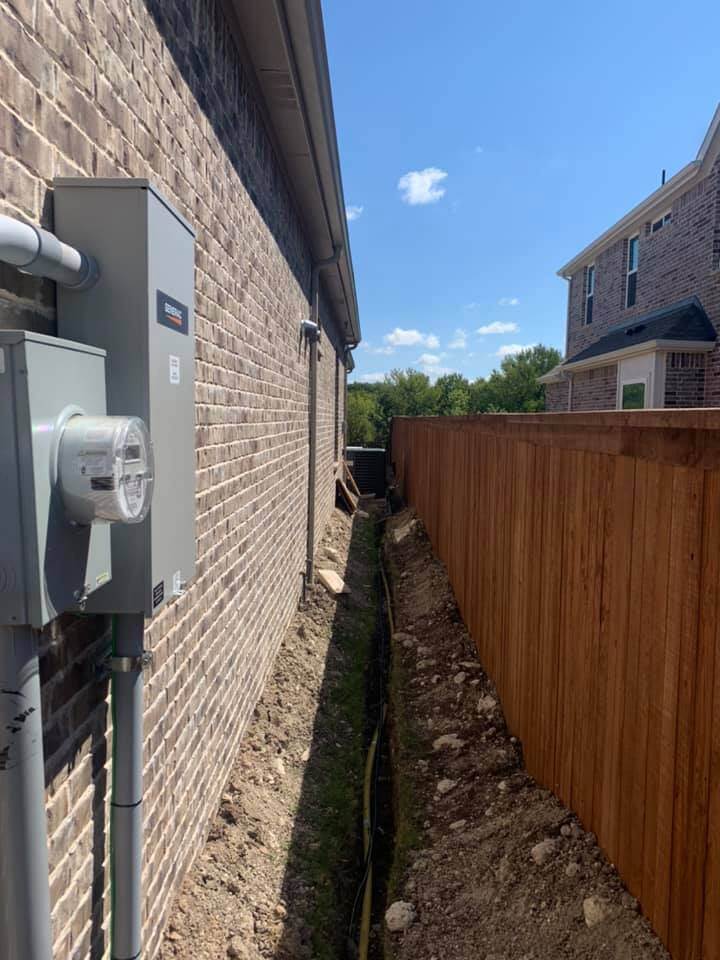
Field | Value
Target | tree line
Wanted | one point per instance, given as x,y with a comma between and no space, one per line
511,389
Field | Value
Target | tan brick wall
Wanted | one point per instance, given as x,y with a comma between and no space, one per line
595,389
156,89
556,396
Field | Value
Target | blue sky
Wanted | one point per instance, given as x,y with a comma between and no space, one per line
482,145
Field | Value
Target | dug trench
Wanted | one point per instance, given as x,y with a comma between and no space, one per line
471,859
282,866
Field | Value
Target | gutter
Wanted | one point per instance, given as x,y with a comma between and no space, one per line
285,43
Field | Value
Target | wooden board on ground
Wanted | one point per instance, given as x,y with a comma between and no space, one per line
350,501
351,479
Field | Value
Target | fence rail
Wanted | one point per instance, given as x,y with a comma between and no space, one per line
584,551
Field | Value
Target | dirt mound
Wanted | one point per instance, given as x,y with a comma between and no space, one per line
282,860
492,866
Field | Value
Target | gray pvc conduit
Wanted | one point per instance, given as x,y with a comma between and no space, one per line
25,932
127,786
38,252
312,333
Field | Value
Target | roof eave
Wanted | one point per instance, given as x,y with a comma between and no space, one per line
285,44
620,229
636,349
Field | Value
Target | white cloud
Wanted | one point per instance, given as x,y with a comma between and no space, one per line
509,301
353,212
433,371
497,326
411,338
510,349
428,360
372,377
459,340
422,186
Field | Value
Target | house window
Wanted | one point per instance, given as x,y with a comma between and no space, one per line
632,268
589,294
661,222
633,396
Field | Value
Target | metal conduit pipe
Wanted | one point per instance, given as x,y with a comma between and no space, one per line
25,932
311,329
126,824
38,252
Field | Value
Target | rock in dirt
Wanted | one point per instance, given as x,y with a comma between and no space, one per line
595,911
542,851
458,825
449,741
445,786
332,554
400,916
486,704
333,583
239,949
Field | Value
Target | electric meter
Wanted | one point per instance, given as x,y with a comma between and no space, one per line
105,469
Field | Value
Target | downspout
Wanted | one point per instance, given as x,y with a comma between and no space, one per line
570,391
311,329
25,928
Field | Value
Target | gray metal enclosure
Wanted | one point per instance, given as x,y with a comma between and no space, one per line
368,467
141,311
46,562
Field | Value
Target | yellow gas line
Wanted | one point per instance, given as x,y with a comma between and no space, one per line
367,796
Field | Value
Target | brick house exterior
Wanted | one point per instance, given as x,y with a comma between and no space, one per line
644,301
206,100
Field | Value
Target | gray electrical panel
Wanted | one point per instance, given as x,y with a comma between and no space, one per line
47,564
141,311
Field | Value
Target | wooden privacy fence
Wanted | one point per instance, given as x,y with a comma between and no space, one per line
584,551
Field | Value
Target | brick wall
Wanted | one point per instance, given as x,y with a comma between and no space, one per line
595,389
556,396
678,261
158,90
685,380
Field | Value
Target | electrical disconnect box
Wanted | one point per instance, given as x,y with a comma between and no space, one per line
141,312
49,562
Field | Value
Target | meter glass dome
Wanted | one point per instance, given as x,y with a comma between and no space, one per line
105,469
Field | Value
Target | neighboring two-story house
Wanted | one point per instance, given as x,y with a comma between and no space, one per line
644,301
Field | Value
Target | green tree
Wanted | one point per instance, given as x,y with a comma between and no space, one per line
407,393
452,395
363,416
514,387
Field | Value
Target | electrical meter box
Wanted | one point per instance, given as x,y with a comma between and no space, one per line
48,564
141,312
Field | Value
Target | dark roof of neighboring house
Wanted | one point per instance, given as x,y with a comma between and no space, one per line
685,321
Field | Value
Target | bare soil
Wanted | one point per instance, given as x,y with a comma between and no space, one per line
467,860
283,856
